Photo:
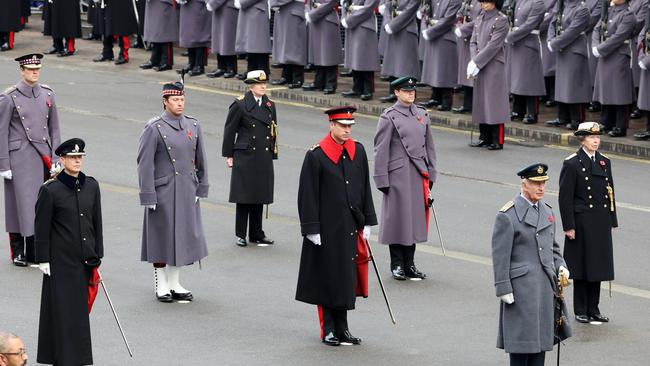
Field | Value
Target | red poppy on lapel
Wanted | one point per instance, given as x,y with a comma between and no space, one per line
268,104
602,162
421,120
49,103
551,218
189,134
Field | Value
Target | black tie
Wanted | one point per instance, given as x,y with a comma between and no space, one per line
535,207
593,158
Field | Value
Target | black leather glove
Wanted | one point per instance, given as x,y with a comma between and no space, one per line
430,184
384,190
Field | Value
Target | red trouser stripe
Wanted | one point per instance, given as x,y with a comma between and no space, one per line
320,321
502,134
126,45
425,189
70,44
12,37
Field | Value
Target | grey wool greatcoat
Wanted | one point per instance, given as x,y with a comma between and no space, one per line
594,7
29,132
161,21
289,32
640,10
643,101
468,12
247,138
526,259
613,84
401,50
572,77
491,103
324,34
524,65
62,19
361,44
440,59
224,26
253,28
586,207
195,24
404,154
548,58
172,172
382,32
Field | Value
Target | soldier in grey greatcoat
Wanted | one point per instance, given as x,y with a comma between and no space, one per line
527,265
29,134
525,75
548,58
567,41
361,46
640,10
325,51
173,176
195,31
440,59
401,39
161,31
594,7
253,34
643,101
490,105
224,30
405,170
613,86
468,12
290,41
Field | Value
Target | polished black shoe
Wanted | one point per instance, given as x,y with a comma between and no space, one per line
102,58
598,318
495,147
147,65
276,65
479,143
241,76
345,74
645,135
92,37
311,87
582,319
185,53
348,339
121,61
280,81
331,340
398,273
165,298
162,68
412,273
444,108
388,99
350,94
184,69
550,103
5,47
514,116
216,73
229,74
197,70
264,240
65,53
366,97
309,67
636,114
384,77
296,85
555,123
51,51
461,110
617,132
429,103
530,119
138,45
187,296
594,107
20,261
241,242
328,91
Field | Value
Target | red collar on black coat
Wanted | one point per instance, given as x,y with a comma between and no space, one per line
333,150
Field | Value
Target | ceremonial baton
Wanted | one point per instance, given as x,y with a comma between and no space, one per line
110,303
381,284
435,219
135,12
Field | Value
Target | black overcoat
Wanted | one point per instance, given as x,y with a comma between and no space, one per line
335,201
68,233
120,18
247,138
586,207
10,12
62,19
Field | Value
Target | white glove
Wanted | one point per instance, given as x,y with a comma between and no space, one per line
387,29
508,298
237,4
382,8
314,238
563,272
548,45
425,35
594,50
366,232
458,33
307,18
181,2
151,207
275,8
45,268
196,199
472,69
6,174
210,8
344,23
418,14
642,66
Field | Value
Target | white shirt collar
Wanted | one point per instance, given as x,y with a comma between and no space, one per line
591,156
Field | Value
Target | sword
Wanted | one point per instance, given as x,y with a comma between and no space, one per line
110,303
135,12
381,284
435,219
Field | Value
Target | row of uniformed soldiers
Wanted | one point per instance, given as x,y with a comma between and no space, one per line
13,17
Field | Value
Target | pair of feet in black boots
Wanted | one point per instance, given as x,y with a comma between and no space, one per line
356,94
226,74
596,318
313,87
528,119
192,70
290,84
150,65
120,60
411,273
343,339
20,260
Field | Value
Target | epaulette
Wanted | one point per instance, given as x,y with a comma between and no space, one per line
570,156
507,206
49,181
10,89
316,146
154,119
190,117
47,87
549,206
604,156
241,97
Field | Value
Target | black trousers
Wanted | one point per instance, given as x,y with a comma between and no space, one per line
258,61
647,120
228,63
326,77
615,116
445,96
249,215
60,46
571,113
525,104
586,297
549,82
21,245
468,97
162,54
332,320
492,134
401,255
527,359
123,42
197,56
293,73
363,82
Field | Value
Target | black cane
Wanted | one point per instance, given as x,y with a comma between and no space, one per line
381,284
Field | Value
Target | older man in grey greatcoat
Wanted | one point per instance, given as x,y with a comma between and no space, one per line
567,41
224,30
290,41
361,46
405,170
401,49
161,31
325,51
29,134
173,175
490,104
195,31
253,34
467,14
527,264
440,59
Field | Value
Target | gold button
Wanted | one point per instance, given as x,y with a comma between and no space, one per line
347,182
27,128
44,139
158,126
583,169
169,147
351,234
591,206
84,239
173,160
17,107
586,178
177,173
266,148
588,188
589,196
81,214
22,117
606,178
253,137
605,205
253,124
164,136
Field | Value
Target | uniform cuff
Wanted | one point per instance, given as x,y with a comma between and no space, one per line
381,181
371,220
41,256
148,198
503,288
310,228
202,191
4,164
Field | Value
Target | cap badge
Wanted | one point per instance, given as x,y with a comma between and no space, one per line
540,170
